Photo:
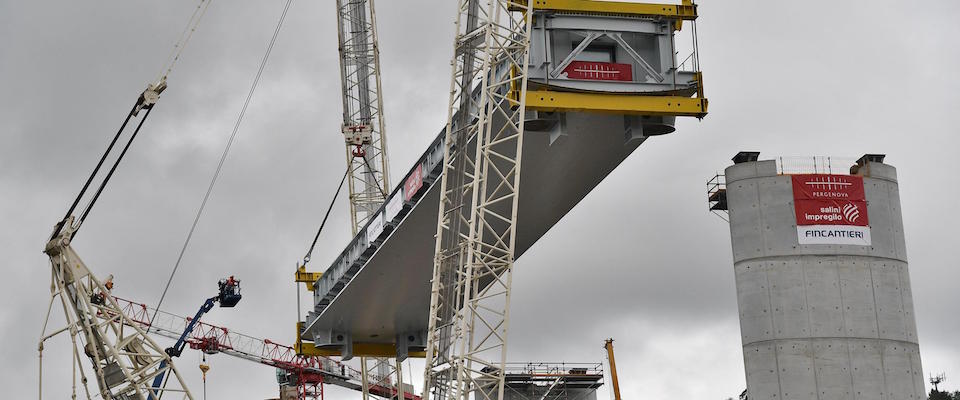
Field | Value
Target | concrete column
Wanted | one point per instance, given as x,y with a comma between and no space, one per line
822,321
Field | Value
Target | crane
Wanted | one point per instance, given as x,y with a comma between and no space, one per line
364,135
125,361
608,345
308,373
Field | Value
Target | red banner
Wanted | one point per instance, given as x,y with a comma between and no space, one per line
829,200
413,183
599,71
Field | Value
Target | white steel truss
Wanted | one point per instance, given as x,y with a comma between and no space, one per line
366,142
383,377
476,228
125,360
363,125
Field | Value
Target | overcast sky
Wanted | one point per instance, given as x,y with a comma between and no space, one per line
640,259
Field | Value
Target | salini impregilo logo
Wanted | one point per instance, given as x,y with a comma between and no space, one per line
831,209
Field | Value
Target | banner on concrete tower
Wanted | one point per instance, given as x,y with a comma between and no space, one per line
831,209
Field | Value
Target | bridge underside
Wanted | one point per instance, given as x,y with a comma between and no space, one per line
387,299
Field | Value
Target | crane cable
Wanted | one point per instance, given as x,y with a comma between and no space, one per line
142,102
306,258
93,175
375,180
185,36
223,158
103,184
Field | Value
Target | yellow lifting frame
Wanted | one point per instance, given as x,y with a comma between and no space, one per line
360,349
550,101
684,11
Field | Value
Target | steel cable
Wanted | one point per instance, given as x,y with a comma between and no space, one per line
223,158
93,174
116,163
375,180
185,36
306,258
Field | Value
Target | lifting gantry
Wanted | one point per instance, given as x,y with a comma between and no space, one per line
507,62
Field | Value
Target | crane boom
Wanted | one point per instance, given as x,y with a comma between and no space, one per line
363,124
215,339
125,361
608,344
365,138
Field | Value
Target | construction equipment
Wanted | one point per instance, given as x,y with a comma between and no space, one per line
467,341
363,124
125,361
228,297
307,373
554,381
363,129
608,344
567,152
476,226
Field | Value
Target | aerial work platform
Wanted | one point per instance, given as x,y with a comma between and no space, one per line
603,78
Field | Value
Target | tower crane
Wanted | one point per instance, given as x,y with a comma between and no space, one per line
364,135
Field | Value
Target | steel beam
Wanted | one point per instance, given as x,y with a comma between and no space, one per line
684,11
548,100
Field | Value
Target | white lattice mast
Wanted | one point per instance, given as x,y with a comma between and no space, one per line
125,360
366,144
476,229
363,126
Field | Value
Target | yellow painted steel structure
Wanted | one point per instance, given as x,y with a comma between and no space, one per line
685,11
308,278
608,344
618,103
549,100
359,348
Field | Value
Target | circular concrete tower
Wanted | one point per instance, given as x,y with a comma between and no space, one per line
823,288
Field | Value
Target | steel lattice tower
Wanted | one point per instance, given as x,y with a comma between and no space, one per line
366,144
476,229
125,360
363,125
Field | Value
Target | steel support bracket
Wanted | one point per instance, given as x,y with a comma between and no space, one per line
547,100
686,10
309,278
360,349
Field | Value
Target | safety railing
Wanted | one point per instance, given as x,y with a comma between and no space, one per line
815,165
554,369
717,196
